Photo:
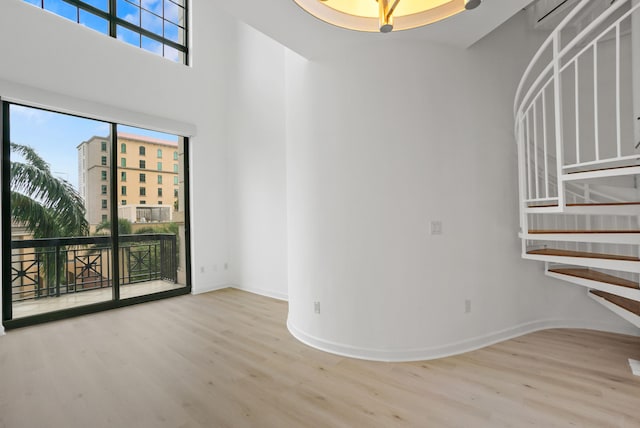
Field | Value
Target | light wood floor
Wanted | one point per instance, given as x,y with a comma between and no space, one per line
225,359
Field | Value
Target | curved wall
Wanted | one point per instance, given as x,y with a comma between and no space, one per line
382,141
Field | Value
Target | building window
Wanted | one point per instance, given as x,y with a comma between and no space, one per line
175,193
143,178
123,176
142,151
123,190
103,146
103,175
123,162
143,191
175,168
103,161
175,155
123,202
159,191
159,202
123,148
159,166
104,218
143,202
103,189
104,204
159,153
175,180
143,164
156,26
159,179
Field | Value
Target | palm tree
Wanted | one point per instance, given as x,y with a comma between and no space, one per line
124,227
45,205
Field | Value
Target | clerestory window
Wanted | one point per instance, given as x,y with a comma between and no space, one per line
157,26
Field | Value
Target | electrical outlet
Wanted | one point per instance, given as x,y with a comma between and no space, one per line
201,269
316,307
436,227
467,306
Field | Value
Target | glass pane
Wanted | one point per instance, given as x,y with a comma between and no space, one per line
151,45
173,32
152,245
173,54
62,8
128,12
128,36
55,251
95,22
173,13
98,4
35,2
152,23
154,6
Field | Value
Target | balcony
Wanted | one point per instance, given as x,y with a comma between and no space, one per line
61,273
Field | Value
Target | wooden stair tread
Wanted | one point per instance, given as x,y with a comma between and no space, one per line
581,254
595,275
628,304
548,231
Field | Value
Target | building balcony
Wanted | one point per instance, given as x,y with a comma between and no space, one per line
61,273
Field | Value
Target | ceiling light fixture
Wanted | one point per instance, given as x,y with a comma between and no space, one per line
384,15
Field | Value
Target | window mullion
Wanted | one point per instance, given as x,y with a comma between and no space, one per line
113,201
113,28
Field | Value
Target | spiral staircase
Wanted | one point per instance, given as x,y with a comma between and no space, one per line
577,115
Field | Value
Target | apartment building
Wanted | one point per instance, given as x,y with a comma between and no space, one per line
147,178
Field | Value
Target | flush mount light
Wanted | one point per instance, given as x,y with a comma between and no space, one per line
384,15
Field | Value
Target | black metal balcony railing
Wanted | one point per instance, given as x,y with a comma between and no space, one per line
57,266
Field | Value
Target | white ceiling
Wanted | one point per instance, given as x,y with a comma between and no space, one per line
286,22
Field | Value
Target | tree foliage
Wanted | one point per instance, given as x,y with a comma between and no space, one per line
124,227
46,205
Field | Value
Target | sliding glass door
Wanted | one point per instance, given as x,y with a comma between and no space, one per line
93,215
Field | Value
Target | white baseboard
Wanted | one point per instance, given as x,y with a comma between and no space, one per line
267,293
635,366
207,289
445,350
259,291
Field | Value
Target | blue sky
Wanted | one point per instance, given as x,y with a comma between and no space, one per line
55,136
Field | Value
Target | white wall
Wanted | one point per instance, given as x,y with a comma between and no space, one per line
72,68
257,170
378,143
381,141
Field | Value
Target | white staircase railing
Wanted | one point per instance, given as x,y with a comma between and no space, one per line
564,120
578,160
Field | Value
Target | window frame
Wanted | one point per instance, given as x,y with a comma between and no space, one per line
113,22
7,319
